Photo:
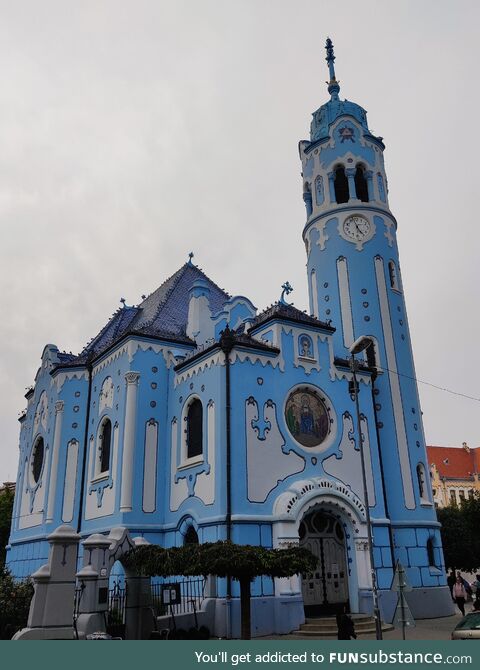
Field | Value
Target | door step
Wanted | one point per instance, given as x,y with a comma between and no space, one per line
327,626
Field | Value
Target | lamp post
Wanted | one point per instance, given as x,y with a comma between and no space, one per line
358,346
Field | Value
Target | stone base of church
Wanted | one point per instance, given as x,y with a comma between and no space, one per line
281,615
270,615
425,603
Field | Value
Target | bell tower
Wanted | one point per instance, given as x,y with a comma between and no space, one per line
355,282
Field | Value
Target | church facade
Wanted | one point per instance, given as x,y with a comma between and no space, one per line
192,417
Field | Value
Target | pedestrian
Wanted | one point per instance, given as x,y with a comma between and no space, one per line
451,582
345,625
475,586
468,588
459,594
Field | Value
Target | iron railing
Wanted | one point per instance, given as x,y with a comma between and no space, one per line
191,592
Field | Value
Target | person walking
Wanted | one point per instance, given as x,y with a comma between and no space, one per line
459,594
451,582
475,586
345,625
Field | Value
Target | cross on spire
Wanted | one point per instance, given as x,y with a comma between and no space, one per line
333,84
190,256
287,289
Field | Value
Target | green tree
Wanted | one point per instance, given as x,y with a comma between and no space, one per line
15,600
223,559
461,535
6,508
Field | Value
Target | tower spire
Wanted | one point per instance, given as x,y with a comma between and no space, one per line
333,84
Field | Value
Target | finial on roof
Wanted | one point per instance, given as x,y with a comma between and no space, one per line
190,256
123,301
333,84
143,296
287,289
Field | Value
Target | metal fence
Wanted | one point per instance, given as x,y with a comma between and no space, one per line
191,592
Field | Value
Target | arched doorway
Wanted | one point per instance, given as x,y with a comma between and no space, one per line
324,591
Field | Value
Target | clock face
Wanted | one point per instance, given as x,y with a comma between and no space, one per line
357,228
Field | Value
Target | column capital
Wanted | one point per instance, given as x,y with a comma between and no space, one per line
350,172
132,377
59,406
368,174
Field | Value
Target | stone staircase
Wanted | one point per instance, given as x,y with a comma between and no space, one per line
325,627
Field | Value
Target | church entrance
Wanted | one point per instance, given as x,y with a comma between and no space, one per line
325,591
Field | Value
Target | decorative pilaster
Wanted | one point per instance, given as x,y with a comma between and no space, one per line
59,407
350,173
131,379
369,177
331,186
307,199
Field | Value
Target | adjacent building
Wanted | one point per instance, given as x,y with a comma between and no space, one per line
454,473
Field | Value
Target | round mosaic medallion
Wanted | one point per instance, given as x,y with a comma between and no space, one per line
307,417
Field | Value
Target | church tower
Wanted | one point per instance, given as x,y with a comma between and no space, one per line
355,282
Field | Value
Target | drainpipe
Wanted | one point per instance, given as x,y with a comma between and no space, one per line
83,483
390,531
227,341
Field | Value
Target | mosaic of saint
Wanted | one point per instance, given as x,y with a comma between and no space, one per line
307,417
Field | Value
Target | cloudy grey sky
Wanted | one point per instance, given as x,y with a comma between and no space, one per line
134,131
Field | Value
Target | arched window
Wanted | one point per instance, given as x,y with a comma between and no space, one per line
307,199
431,552
341,185
38,453
195,429
105,445
361,184
191,536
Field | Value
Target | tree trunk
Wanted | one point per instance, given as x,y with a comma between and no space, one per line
245,608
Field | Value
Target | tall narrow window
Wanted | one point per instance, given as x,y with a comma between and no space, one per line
105,445
341,185
392,271
361,184
371,354
453,497
421,482
195,429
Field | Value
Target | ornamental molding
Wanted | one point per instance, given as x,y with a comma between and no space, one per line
252,357
216,359
302,495
132,377
66,376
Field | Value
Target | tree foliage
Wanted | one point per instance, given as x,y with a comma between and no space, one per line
6,508
461,534
15,600
222,559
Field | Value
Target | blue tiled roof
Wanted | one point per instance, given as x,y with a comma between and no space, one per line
167,307
164,313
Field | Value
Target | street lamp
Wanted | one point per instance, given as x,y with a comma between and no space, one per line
358,346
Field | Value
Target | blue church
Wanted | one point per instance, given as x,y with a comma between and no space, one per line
194,417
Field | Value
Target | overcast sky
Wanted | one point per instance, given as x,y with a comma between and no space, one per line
132,132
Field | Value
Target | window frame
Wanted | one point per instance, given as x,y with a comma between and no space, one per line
186,460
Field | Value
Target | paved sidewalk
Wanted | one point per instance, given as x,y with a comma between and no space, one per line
424,629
